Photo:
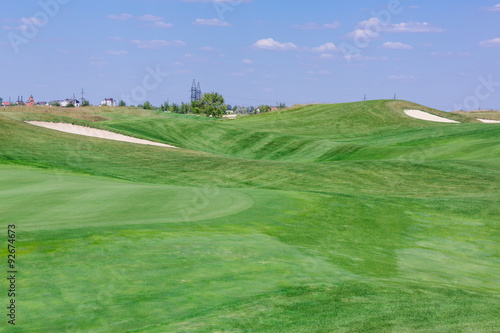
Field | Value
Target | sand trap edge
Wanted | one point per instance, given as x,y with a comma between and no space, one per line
429,117
95,133
488,121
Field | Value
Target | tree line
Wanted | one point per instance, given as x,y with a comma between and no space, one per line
210,105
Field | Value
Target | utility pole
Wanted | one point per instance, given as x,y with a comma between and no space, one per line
394,96
82,96
364,98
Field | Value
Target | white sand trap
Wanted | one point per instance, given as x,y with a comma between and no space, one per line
429,117
96,133
487,121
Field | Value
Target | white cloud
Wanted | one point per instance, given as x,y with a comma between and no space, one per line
364,34
157,21
156,44
325,48
25,22
374,25
396,46
359,57
271,44
149,18
412,27
121,17
495,42
33,21
316,26
450,54
404,78
326,56
162,25
116,39
19,27
495,8
211,22
121,52
209,49
247,61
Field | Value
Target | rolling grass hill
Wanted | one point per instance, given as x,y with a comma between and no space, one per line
346,218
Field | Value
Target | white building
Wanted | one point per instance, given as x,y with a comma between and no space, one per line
108,102
65,102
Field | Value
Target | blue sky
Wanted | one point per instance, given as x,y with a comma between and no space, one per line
444,54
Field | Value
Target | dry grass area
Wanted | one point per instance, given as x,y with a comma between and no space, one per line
85,113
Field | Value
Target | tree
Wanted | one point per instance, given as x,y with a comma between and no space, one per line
122,103
175,108
85,103
282,106
147,106
229,107
1,101
70,105
164,107
264,108
197,107
213,105
185,108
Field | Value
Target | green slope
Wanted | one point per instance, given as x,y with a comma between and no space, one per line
348,218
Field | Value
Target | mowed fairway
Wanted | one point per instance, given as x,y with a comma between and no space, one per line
329,218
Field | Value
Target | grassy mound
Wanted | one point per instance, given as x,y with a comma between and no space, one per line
349,217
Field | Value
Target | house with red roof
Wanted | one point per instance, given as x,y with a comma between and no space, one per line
30,101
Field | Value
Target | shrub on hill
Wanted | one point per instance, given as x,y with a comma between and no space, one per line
211,104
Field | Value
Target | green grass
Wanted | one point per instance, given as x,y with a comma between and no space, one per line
345,218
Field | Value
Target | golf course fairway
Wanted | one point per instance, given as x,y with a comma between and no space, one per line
325,218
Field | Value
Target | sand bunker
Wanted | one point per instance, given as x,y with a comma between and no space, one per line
96,133
429,117
487,121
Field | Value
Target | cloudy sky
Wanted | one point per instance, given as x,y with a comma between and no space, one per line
445,54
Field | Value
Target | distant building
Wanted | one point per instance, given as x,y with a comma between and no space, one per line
41,103
108,102
6,104
30,101
68,101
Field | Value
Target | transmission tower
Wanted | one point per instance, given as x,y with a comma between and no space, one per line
193,91
198,92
